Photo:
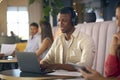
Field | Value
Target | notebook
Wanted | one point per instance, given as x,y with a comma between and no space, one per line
28,62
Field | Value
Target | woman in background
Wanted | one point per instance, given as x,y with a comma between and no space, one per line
46,39
112,64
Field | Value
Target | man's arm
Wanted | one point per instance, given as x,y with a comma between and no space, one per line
61,66
88,51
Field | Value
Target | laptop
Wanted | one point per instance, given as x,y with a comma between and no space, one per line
28,62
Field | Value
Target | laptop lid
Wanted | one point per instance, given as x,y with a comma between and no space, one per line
28,62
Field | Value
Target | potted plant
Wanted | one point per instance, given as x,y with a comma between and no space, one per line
49,6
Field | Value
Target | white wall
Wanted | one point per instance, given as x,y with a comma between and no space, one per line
35,12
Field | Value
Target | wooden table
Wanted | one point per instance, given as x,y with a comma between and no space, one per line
8,63
16,74
14,60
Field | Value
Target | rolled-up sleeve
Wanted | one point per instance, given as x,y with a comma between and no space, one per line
88,51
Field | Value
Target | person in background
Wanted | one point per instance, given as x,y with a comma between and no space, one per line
46,39
12,34
34,41
112,64
71,46
17,39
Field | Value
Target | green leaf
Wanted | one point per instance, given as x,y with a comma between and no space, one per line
59,3
46,10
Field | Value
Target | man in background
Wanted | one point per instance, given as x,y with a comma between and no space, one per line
33,43
72,46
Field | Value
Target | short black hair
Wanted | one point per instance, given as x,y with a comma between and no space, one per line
34,24
117,4
68,10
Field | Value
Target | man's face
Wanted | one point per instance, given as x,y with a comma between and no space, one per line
33,30
64,22
118,16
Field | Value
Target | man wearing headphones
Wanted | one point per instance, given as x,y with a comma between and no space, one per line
72,46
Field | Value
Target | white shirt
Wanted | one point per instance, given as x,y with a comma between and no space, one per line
33,43
79,50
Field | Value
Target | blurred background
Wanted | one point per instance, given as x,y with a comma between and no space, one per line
16,15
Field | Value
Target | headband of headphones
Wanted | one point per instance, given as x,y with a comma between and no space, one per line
70,10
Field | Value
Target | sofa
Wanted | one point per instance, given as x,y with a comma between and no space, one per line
101,32
7,40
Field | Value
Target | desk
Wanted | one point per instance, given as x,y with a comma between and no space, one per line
14,60
8,64
16,74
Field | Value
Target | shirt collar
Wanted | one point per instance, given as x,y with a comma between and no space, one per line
75,33
37,34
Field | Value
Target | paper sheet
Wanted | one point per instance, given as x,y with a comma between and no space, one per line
8,49
65,73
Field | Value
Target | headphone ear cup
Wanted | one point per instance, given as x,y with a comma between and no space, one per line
75,20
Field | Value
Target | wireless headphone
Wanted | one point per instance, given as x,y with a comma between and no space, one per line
74,16
70,11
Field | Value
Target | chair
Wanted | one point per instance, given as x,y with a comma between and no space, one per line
21,46
101,32
90,17
7,40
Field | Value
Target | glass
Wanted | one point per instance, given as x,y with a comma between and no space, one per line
18,22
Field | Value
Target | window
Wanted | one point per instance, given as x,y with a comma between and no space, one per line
17,21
